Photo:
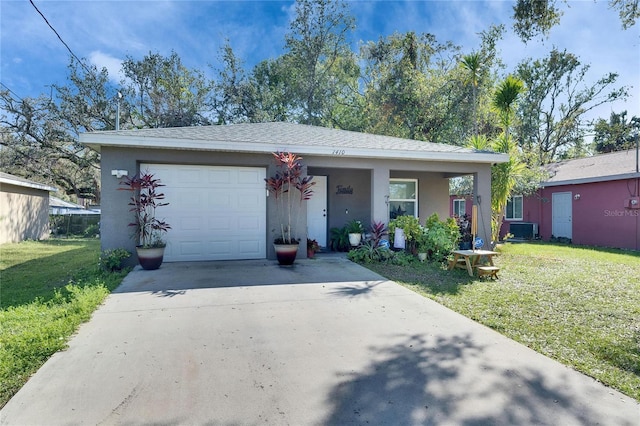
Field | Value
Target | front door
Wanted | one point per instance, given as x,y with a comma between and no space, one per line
561,212
317,212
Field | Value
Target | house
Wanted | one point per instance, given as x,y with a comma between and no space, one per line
61,207
24,209
591,201
214,175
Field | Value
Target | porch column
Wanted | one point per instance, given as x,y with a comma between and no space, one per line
482,198
379,194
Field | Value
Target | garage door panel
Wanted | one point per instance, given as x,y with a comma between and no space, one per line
249,247
250,177
216,213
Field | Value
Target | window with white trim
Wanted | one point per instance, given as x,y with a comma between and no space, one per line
403,198
514,208
459,207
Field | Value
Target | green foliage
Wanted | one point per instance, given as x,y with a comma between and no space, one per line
438,238
339,239
111,260
354,227
409,224
92,230
617,134
537,17
534,17
369,252
48,289
553,107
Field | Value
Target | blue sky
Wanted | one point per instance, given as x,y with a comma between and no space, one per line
105,32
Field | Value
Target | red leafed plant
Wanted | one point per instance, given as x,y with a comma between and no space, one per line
145,200
289,188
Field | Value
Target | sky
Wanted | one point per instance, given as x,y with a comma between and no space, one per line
32,58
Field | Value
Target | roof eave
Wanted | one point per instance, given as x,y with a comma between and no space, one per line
96,141
34,185
591,180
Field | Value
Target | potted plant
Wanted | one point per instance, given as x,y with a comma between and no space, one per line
312,248
290,189
355,230
423,244
148,229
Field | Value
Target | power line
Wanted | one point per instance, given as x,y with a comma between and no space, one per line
60,38
11,91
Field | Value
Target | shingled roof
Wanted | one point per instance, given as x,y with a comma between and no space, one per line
604,167
280,136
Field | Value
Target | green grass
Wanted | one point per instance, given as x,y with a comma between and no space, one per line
47,289
580,306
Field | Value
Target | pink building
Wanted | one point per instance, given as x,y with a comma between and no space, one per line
591,201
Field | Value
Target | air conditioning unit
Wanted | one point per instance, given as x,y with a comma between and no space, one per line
523,230
632,203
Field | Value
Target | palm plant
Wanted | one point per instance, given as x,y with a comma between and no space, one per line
473,64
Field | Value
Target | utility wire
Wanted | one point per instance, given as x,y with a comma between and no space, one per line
11,91
60,38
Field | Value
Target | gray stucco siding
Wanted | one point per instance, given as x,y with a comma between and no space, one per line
367,177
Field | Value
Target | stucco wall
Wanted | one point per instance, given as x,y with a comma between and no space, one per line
24,213
599,217
348,195
366,203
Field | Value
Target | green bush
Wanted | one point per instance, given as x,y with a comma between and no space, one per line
339,239
92,230
411,227
438,238
111,260
370,252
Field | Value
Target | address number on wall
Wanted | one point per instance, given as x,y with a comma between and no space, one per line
338,152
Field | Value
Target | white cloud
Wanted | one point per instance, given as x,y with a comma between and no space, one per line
112,64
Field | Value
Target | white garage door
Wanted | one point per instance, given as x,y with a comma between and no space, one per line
215,213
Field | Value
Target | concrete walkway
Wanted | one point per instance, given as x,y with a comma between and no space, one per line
326,342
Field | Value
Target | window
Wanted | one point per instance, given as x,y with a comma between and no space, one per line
514,208
459,207
403,197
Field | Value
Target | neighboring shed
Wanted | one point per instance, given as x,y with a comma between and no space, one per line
24,209
590,201
219,207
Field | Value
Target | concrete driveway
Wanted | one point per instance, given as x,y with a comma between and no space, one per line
324,343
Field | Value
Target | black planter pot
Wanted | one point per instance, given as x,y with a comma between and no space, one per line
150,258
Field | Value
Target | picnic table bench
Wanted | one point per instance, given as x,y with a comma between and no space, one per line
469,260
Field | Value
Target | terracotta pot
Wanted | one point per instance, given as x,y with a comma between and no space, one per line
286,253
311,253
150,258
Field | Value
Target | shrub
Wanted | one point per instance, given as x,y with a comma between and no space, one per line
411,227
439,238
92,230
111,260
339,239
355,227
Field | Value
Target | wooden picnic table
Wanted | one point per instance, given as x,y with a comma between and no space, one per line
468,259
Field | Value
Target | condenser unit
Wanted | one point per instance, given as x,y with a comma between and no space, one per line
523,230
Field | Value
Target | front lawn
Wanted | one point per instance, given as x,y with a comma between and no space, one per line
47,289
580,306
